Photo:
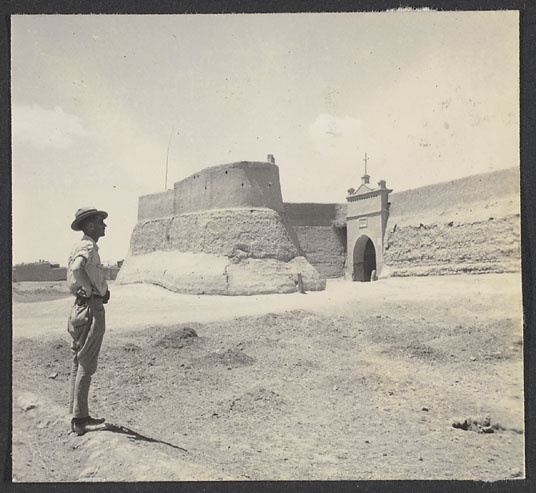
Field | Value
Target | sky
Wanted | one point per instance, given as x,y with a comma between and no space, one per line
98,99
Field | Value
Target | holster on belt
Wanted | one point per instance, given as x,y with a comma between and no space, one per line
79,321
82,299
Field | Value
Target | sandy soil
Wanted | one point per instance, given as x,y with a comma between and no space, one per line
361,381
33,291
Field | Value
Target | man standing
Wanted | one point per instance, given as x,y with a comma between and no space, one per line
85,277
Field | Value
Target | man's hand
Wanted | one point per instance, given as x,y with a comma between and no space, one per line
106,297
82,293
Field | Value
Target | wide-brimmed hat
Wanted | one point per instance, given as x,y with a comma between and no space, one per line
83,213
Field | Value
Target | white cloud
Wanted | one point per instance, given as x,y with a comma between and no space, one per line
46,128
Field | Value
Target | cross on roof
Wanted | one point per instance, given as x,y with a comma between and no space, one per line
365,178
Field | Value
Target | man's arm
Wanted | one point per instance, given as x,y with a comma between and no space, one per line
80,274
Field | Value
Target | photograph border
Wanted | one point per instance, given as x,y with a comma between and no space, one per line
528,227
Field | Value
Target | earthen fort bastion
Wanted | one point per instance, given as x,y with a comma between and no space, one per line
222,230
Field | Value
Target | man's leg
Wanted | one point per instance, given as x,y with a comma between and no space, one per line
81,393
72,381
87,362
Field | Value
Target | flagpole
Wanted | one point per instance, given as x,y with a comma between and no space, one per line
167,158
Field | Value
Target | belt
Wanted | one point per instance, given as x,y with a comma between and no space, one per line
82,299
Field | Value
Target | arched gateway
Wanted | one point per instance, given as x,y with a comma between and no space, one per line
364,259
366,220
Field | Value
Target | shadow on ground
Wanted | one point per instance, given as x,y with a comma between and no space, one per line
132,435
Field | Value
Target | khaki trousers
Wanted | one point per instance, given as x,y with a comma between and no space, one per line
85,360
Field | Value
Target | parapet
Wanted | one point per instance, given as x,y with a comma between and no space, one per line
156,205
240,184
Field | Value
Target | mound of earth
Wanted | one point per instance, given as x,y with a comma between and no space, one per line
176,338
231,357
257,399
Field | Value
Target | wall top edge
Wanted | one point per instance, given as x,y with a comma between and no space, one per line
368,195
154,194
315,203
208,169
236,164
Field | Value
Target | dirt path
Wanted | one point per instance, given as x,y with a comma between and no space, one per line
139,306
367,387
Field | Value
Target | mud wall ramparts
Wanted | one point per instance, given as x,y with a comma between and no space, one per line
466,225
241,184
473,247
222,230
234,251
321,234
484,191
324,248
240,233
156,205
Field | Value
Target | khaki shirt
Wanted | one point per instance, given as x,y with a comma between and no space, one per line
89,251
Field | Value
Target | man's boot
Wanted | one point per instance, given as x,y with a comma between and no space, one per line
83,425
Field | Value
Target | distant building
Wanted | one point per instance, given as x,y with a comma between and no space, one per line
39,271
111,271
45,271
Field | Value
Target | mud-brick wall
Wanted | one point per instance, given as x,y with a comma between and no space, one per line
321,232
241,233
156,205
491,245
485,189
242,184
468,225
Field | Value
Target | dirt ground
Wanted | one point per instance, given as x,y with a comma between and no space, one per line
413,378
35,291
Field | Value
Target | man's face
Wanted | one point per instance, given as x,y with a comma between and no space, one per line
99,227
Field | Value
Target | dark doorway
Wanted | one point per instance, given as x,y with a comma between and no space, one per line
364,259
